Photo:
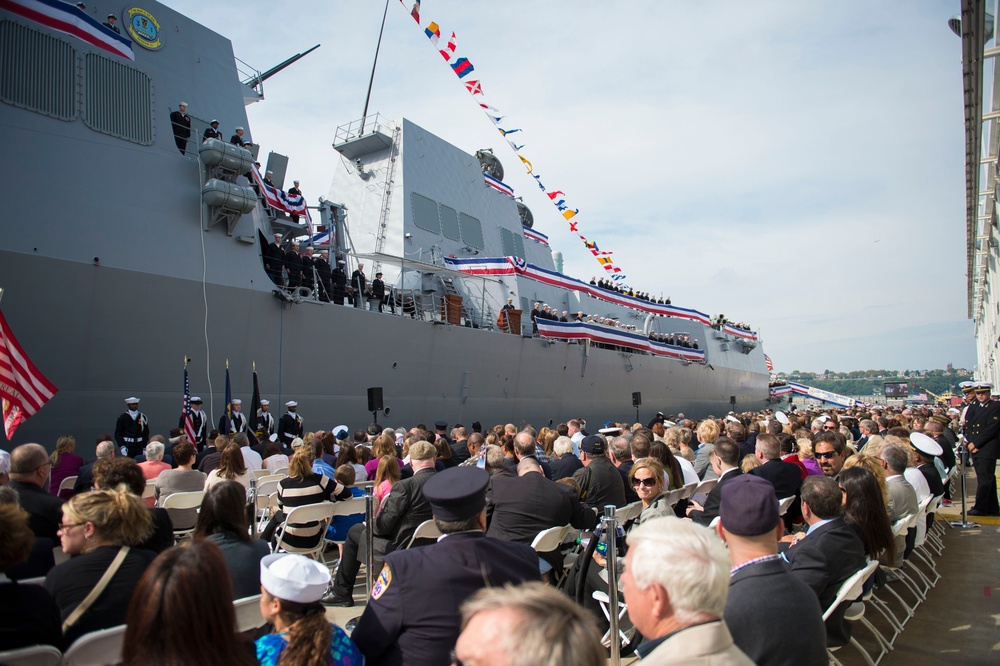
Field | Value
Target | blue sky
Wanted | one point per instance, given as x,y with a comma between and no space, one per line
798,166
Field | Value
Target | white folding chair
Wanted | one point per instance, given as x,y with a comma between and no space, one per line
67,484
248,615
852,589
150,490
626,632
705,486
257,473
687,490
188,500
425,530
320,513
784,503
546,541
37,580
269,478
281,471
98,648
35,655
628,512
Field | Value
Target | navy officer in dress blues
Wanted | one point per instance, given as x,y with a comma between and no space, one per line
413,615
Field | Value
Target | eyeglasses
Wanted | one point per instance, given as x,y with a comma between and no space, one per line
647,482
65,527
826,455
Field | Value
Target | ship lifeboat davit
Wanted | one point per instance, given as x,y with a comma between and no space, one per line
230,196
216,153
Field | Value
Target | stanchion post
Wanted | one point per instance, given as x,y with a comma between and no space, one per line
610,527
369,537
963,453
252,496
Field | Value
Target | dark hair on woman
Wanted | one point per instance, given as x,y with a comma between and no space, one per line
329,441
308,634
18,538
109,473
866,512
364,453
443,449
224,511
662,452
232,465
347,455
272,449
182,612
183,453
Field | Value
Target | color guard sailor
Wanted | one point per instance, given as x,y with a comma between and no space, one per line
289,425
265,421
200,421
237,422
132,429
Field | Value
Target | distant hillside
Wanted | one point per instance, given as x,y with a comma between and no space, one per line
862,383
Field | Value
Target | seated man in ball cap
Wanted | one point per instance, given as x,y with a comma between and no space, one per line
600,482
762,594
413,615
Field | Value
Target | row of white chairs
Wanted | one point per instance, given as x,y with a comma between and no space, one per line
103,647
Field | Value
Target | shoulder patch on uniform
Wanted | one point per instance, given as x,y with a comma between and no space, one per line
382,584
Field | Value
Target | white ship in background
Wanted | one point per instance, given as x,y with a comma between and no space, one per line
147,256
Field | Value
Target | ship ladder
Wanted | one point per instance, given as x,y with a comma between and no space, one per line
390,179
450,290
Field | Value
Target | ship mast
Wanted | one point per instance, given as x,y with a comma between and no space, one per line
371,80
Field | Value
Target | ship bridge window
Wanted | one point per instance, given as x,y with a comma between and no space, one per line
37,71
513,244
425,213
472,231
449,222
117,100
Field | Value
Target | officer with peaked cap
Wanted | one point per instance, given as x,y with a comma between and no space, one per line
132,429
413,615
289,426
927,450
982,433
200,421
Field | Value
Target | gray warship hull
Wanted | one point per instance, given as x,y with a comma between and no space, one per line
113,272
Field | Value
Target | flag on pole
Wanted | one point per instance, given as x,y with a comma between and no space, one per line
767,362
186,412
255,403
23,388
229,404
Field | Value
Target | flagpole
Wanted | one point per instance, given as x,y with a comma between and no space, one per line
371,80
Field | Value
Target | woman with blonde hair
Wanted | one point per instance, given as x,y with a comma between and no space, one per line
873,465
99,529
65,463
386,476
806,457
231,467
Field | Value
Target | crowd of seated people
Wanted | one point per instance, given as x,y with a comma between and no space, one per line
866,450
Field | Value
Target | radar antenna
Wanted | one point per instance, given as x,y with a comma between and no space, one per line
490,163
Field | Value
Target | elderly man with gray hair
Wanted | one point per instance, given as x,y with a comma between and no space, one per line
30,476
676,581
566,462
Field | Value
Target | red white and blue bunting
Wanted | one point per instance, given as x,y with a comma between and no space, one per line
293,204
575,330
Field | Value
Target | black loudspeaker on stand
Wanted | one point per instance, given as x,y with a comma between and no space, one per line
375,402
636,401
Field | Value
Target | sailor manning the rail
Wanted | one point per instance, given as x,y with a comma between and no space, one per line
132,429
180,121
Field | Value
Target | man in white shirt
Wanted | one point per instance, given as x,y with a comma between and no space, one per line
251,458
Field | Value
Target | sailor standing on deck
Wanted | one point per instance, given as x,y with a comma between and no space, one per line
265,421
237,422
339,282
290,425
212,131
110,24
180,121
200,420
237,139
358,282
132,430
274,259
982,431
378,290
293,266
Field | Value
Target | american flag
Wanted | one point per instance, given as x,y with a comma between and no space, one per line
186,411
23,388
767,362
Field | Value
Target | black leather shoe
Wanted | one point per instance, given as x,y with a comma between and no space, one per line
334,599
976,512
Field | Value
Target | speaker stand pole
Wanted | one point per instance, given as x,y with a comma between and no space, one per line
374,416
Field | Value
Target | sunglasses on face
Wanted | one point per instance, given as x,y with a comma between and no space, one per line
648,483
827,455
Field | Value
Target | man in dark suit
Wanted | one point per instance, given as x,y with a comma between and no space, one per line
725,460
30,476
524,447
784,476
829,554
982,432
522,506
402,511
85,477
413,615
459,445
762,593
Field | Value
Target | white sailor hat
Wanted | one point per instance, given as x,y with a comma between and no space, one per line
274,437
291,403
213,122
182,103
297,442
265,402
925,444
954,410
238,127
237,401
669,424
195,398
823,418
730,417
781,417
133,399
341,432
277,235
294,578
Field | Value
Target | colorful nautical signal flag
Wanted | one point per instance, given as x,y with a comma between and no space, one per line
433,32
462,67
187,414
767,362
473,87
66,17
23,388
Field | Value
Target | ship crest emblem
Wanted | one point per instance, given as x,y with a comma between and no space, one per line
144,28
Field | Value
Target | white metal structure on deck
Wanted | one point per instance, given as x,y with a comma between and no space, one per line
981,89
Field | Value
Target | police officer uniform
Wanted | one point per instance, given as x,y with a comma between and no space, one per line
132,429
289,425
200,420
413,615
265,422
237,422
982,432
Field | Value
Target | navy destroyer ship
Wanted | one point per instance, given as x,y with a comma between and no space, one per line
121,256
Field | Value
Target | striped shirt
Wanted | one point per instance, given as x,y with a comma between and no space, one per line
311,489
